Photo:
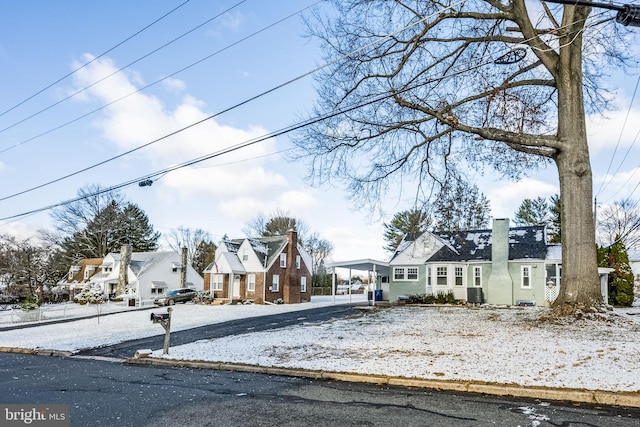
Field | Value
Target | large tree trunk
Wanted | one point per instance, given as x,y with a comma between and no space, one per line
580,287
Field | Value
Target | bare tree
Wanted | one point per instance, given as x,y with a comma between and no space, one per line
620,221
427,90
276,224
192,239
319,249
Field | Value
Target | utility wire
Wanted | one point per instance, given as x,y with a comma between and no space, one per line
624,124
246,101
248,143
94,59
159,80
119,70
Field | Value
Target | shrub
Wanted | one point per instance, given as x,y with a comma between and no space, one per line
28,304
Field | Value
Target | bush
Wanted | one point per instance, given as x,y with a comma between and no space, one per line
91,294
28,304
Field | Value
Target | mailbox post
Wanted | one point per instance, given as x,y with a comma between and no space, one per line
165,320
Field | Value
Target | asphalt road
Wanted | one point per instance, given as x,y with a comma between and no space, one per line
113,394
251,324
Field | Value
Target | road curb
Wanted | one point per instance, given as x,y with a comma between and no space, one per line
37,351
596,397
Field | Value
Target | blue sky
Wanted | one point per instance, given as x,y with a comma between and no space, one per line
42,41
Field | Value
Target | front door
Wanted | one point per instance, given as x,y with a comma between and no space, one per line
236,286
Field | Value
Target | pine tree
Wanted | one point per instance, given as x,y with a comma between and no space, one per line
461,207
413,221
621,278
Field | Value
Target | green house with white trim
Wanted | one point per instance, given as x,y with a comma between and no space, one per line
502,266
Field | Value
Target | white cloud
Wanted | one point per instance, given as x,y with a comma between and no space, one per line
174,85
351,243
140,119
618,186
505,198
605,133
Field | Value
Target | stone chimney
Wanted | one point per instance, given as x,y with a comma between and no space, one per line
183,268
123,273
291,288
500,282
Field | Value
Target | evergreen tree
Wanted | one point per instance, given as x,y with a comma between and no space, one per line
541,211
621,278
101,222
461,207
554,228
413,221
204,255
533,212
132,227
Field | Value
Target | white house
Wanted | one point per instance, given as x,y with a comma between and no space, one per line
149,274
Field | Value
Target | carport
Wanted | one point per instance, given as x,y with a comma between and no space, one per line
376,270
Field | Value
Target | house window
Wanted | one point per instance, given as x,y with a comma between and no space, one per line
525,276
398,273
251,282
477,277
441,276
283,260
216,282
275,283
412,273
459,276
70,275
429,276
245,255
298,262
303,284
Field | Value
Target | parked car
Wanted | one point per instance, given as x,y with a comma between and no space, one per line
176,295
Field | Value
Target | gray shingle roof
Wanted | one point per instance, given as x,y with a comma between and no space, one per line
475,245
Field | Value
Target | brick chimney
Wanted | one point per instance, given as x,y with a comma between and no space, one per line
123,272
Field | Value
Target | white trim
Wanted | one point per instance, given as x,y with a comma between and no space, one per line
477,268
526,276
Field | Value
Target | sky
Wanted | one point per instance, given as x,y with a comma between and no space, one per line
65,106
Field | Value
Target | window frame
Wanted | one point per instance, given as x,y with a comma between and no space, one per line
275,283
283,260
525,277
298,262
251,282
397,270
303,284
214,282
458,269
477,277
445,269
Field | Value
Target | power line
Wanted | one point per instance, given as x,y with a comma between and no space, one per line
246,101
120,69
159,80
250,142
624,124
94,59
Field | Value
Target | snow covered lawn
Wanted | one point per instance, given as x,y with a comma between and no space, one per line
490,344
132,324
506,346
